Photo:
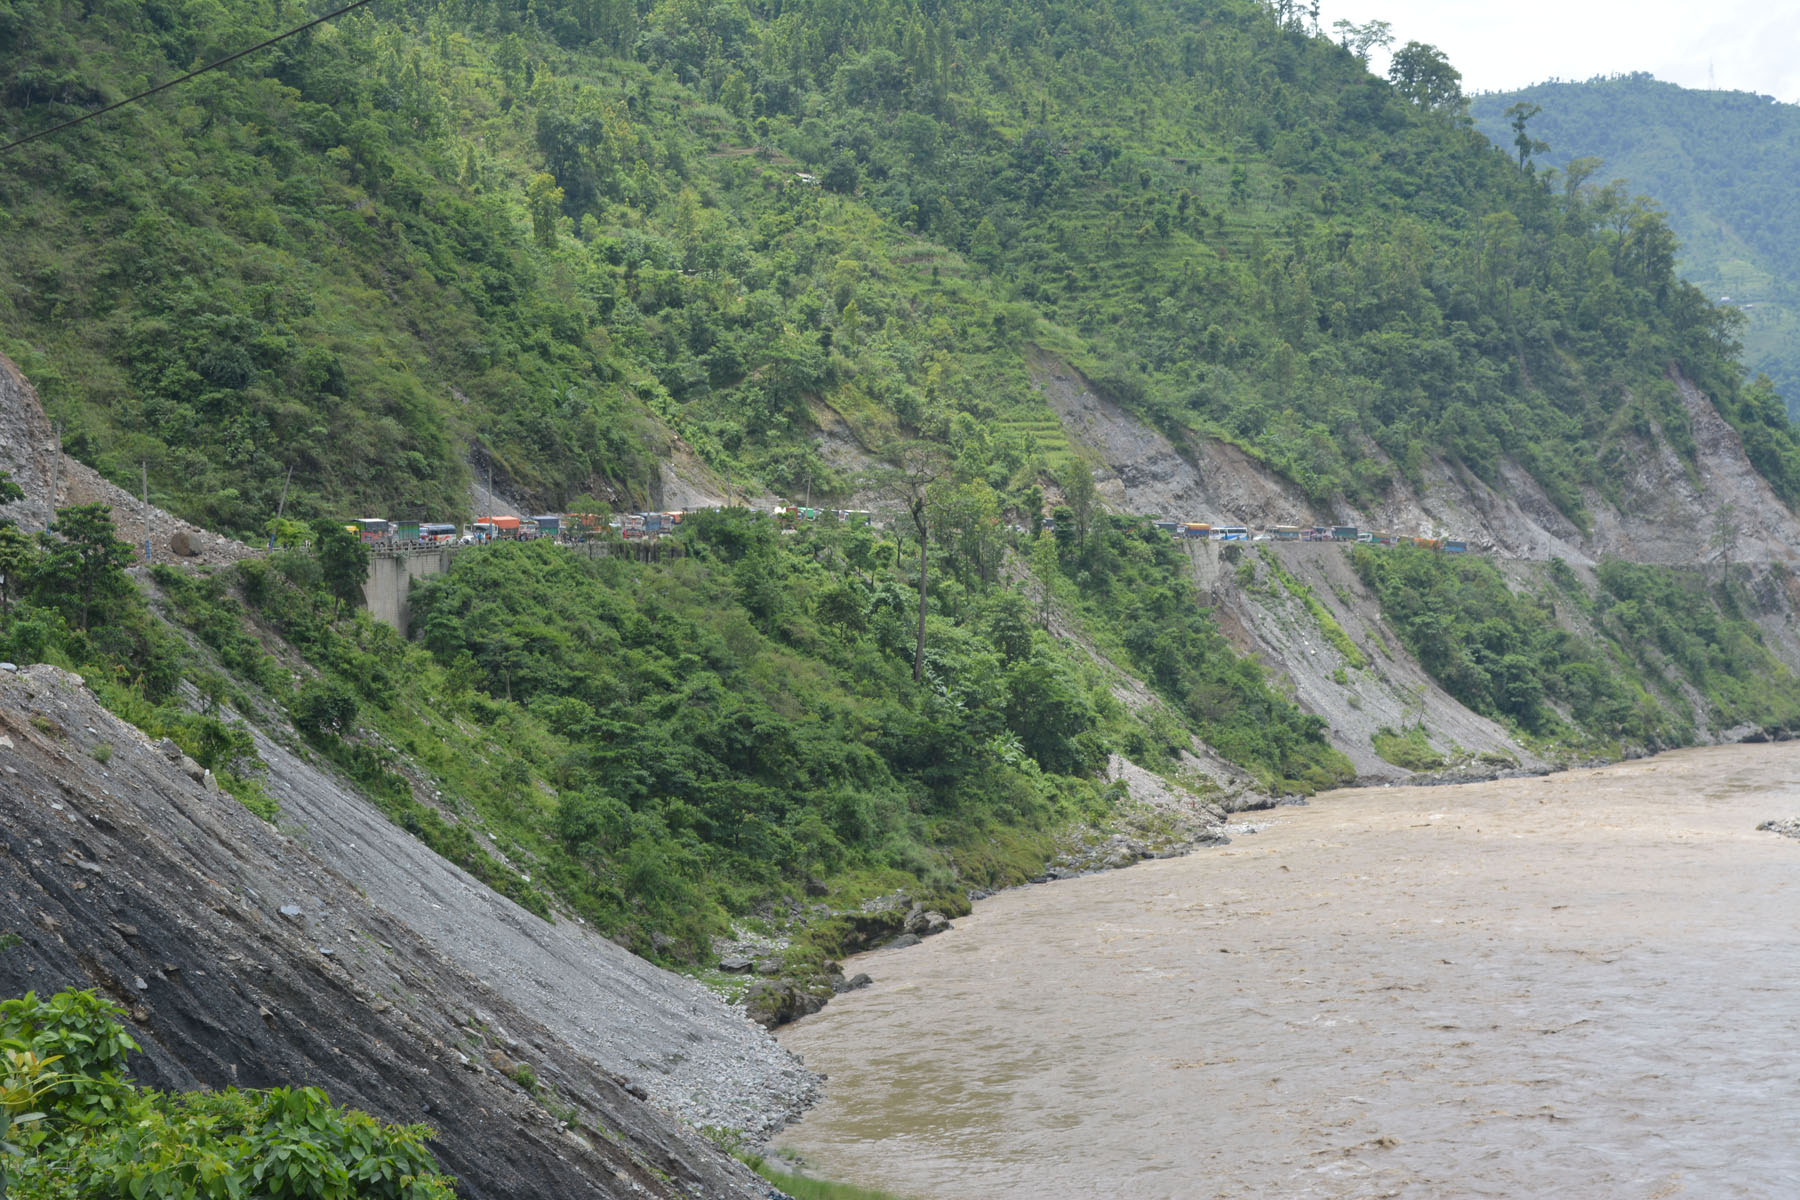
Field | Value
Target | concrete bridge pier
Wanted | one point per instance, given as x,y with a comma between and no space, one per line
387,589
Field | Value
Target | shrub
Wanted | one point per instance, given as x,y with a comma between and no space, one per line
323,706
94,1134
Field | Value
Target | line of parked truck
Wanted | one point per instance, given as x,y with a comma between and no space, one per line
1205,531
381,533
579,527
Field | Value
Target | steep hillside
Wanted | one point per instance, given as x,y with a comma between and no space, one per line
1683,489
667,746
1320,622
1719,163
563,244
974,264
1423,670
245,958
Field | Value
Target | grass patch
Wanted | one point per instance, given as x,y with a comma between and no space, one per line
802,1188
1409,750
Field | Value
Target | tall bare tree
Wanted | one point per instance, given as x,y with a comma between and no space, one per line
917,466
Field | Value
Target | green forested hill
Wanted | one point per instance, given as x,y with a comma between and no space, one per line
1722,164
555,237
563,240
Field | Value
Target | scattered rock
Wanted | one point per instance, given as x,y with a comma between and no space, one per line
903,941
735,965
291,911
858,980
1787,828
774,1002
768,966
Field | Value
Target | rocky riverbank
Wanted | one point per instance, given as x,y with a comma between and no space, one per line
1152,818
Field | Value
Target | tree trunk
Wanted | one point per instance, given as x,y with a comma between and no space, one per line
924,566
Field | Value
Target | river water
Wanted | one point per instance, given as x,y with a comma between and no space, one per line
1581,985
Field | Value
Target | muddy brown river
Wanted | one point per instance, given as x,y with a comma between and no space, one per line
1581,985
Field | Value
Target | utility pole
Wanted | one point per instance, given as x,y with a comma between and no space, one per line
144,466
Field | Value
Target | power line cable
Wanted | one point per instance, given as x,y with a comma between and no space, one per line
213,66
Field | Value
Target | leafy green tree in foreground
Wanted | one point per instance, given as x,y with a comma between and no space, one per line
81,1128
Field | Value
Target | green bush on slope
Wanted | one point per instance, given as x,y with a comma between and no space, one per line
83,1130
545,241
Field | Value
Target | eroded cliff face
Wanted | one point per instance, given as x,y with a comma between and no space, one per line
27,449
244,957
30,455
1668,510
1387,690
1715,511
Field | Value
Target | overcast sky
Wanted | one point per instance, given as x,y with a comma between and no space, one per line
1733,45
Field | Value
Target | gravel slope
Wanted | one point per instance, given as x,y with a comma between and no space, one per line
692,1054
244,958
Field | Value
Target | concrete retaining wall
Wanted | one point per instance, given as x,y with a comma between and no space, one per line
387,590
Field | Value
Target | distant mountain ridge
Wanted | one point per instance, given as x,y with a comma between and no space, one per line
1721,163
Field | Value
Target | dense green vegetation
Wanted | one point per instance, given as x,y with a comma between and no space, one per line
563,241
65,599
1721,163
660,746
663,745
555,238
73,1126
1653,632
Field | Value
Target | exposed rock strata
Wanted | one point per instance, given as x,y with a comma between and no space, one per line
664,1033
244,958
1667,510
